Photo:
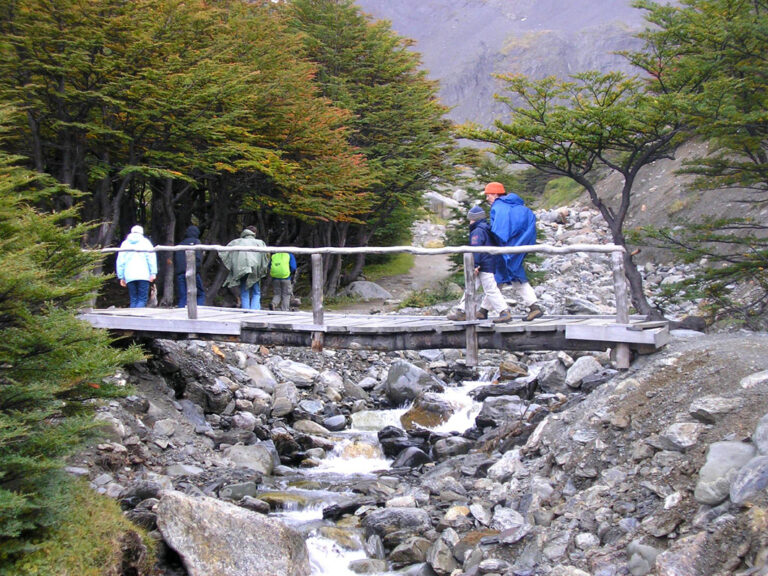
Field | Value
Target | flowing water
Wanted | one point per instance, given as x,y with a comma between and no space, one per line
357,456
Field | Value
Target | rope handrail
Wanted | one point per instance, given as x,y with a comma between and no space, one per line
543,248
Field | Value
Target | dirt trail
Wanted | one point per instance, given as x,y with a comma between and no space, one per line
426,274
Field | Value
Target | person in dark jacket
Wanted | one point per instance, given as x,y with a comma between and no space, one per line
513,224
485,268
191,237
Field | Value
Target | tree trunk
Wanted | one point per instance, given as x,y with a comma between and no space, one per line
333,276
163,227
616,224
363,236
37,147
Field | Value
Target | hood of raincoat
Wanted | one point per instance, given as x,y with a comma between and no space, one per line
512,222
192,232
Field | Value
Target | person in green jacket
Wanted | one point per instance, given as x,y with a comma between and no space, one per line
246,269
282,267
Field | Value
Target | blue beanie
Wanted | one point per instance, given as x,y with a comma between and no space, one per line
475,213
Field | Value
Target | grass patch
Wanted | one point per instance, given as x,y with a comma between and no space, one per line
445,291
333,302
394,265
89,541
560,192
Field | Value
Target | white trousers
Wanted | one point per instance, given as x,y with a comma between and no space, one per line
525,292
493,301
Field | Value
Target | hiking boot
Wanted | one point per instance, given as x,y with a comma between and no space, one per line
482,314
534,311
457,316
504,316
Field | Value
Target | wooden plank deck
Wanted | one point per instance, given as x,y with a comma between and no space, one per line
381,331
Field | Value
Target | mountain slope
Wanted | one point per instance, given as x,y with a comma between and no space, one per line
464,42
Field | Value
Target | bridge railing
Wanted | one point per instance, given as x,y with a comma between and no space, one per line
617,265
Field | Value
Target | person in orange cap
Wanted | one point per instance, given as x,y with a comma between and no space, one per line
513,224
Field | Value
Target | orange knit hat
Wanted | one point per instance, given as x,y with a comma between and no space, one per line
495,188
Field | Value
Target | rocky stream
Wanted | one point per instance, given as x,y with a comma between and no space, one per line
247,460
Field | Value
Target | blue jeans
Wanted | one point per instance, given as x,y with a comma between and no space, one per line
181,287
138,291
250,298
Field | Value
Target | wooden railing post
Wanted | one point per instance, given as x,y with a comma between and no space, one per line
191,278
317,300
469,308
622,306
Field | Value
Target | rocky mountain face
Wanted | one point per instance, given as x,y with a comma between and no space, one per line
464,42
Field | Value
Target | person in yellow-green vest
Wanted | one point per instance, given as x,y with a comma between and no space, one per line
281,268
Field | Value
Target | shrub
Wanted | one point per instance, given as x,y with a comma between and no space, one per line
51,363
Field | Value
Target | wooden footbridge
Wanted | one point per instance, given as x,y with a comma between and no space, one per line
392,331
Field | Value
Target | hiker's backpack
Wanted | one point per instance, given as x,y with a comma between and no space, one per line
281,265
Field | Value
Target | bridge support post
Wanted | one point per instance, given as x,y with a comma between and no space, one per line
191,277
469,308
317,300
622,306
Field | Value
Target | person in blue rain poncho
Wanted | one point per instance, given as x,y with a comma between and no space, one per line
513,224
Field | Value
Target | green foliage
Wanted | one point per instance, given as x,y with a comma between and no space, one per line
388,265
457,231
528,183
707,57
560,192
444,292
731,252
336,302
52,362
206,98
581,128
396,120
91,541
710,54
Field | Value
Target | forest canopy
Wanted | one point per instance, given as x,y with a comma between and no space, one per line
224,114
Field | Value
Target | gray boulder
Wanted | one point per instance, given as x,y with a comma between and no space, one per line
300,374
583,367
405,382
255,457
750,480
760,436
710,409
724,460
366,291
552,377
262,377
501,409
410,458
215,537
285,399
385,521
451,446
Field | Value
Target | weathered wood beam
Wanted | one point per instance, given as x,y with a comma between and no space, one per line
542,248
623,355
469,309
317,300
191,277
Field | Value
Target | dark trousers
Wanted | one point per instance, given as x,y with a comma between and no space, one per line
281,293
138,292
181,287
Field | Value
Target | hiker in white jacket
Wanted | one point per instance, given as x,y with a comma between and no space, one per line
136,269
